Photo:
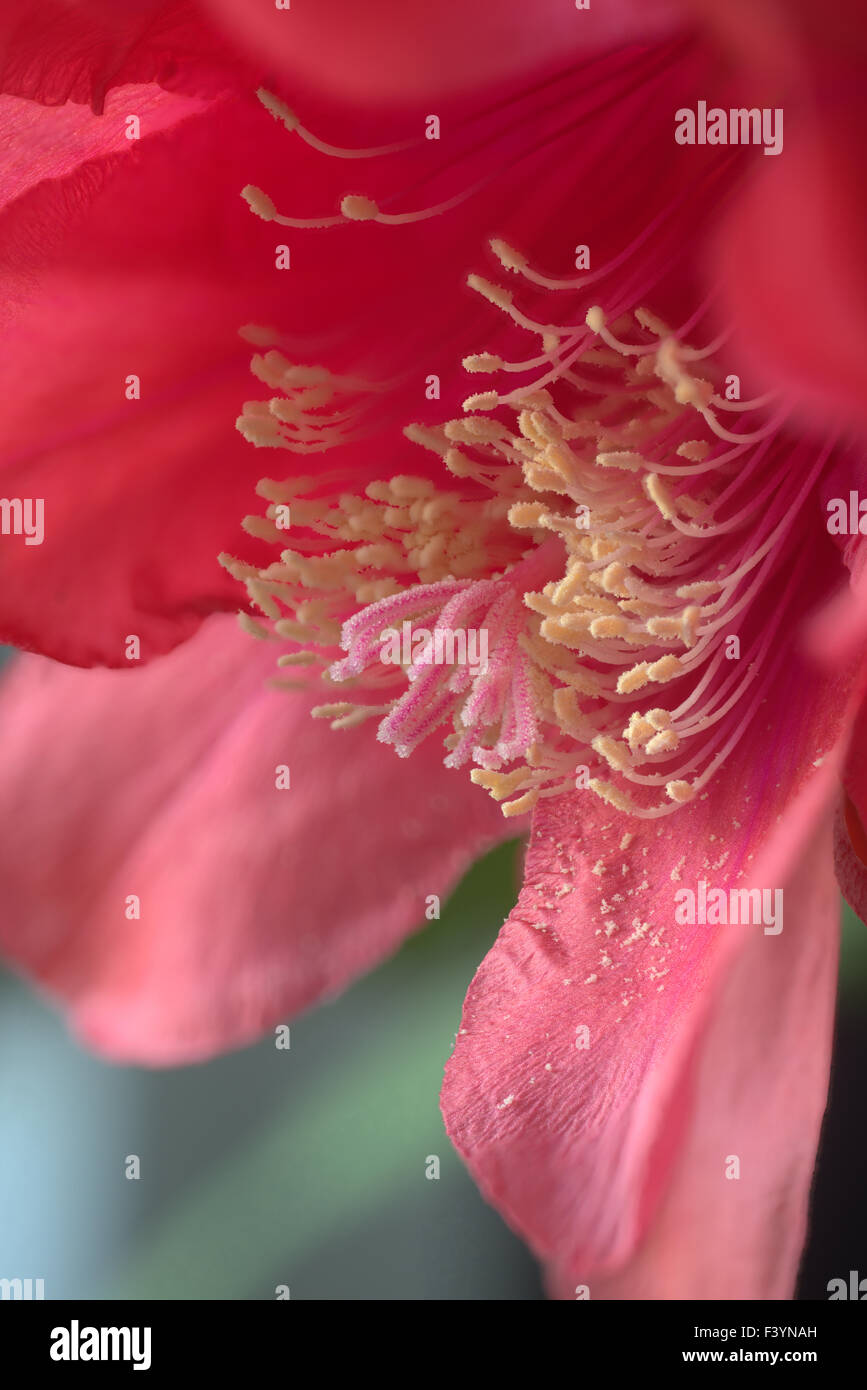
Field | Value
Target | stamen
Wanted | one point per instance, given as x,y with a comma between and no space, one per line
588,524
281,112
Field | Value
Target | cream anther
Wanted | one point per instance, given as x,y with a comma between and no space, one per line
495,294
634,679
638,730
614,579
700,591
689,622
357,208
658,718
621,459
695,450
279,110
259,203
660,496
694,391
608,627
611,794
614,753
483,362
665,669
665,742
508,257
679,791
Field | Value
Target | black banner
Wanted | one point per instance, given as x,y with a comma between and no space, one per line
159,1339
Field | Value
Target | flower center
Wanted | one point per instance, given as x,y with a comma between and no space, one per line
598,524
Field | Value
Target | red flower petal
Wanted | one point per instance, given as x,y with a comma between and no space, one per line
53,51
850,833
255,902
389,51
758,1091
577,1146
43,142
837,632
783,37
791,257
850,855
139,495
147,263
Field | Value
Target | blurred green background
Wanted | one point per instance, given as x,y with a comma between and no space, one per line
303,1167
306,1167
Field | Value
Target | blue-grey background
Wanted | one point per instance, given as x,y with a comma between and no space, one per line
306,1167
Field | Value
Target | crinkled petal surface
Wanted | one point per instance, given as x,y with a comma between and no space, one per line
733,1219
575,1135
255,901
139,259
54,51
139,263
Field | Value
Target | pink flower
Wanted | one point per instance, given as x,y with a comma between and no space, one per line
665,394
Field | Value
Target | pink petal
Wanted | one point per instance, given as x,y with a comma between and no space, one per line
850,835
41,142
577,1147
790,257
759,1083
140,496
52,51
783,40
387,51
836,632
255,902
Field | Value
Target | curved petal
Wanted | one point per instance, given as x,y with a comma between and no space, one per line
254,902
44,142
732,1222
140,496
569,1090
142,263
850,835
837,632
783,37
387,51
52,51
850,856
789,251
790,258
